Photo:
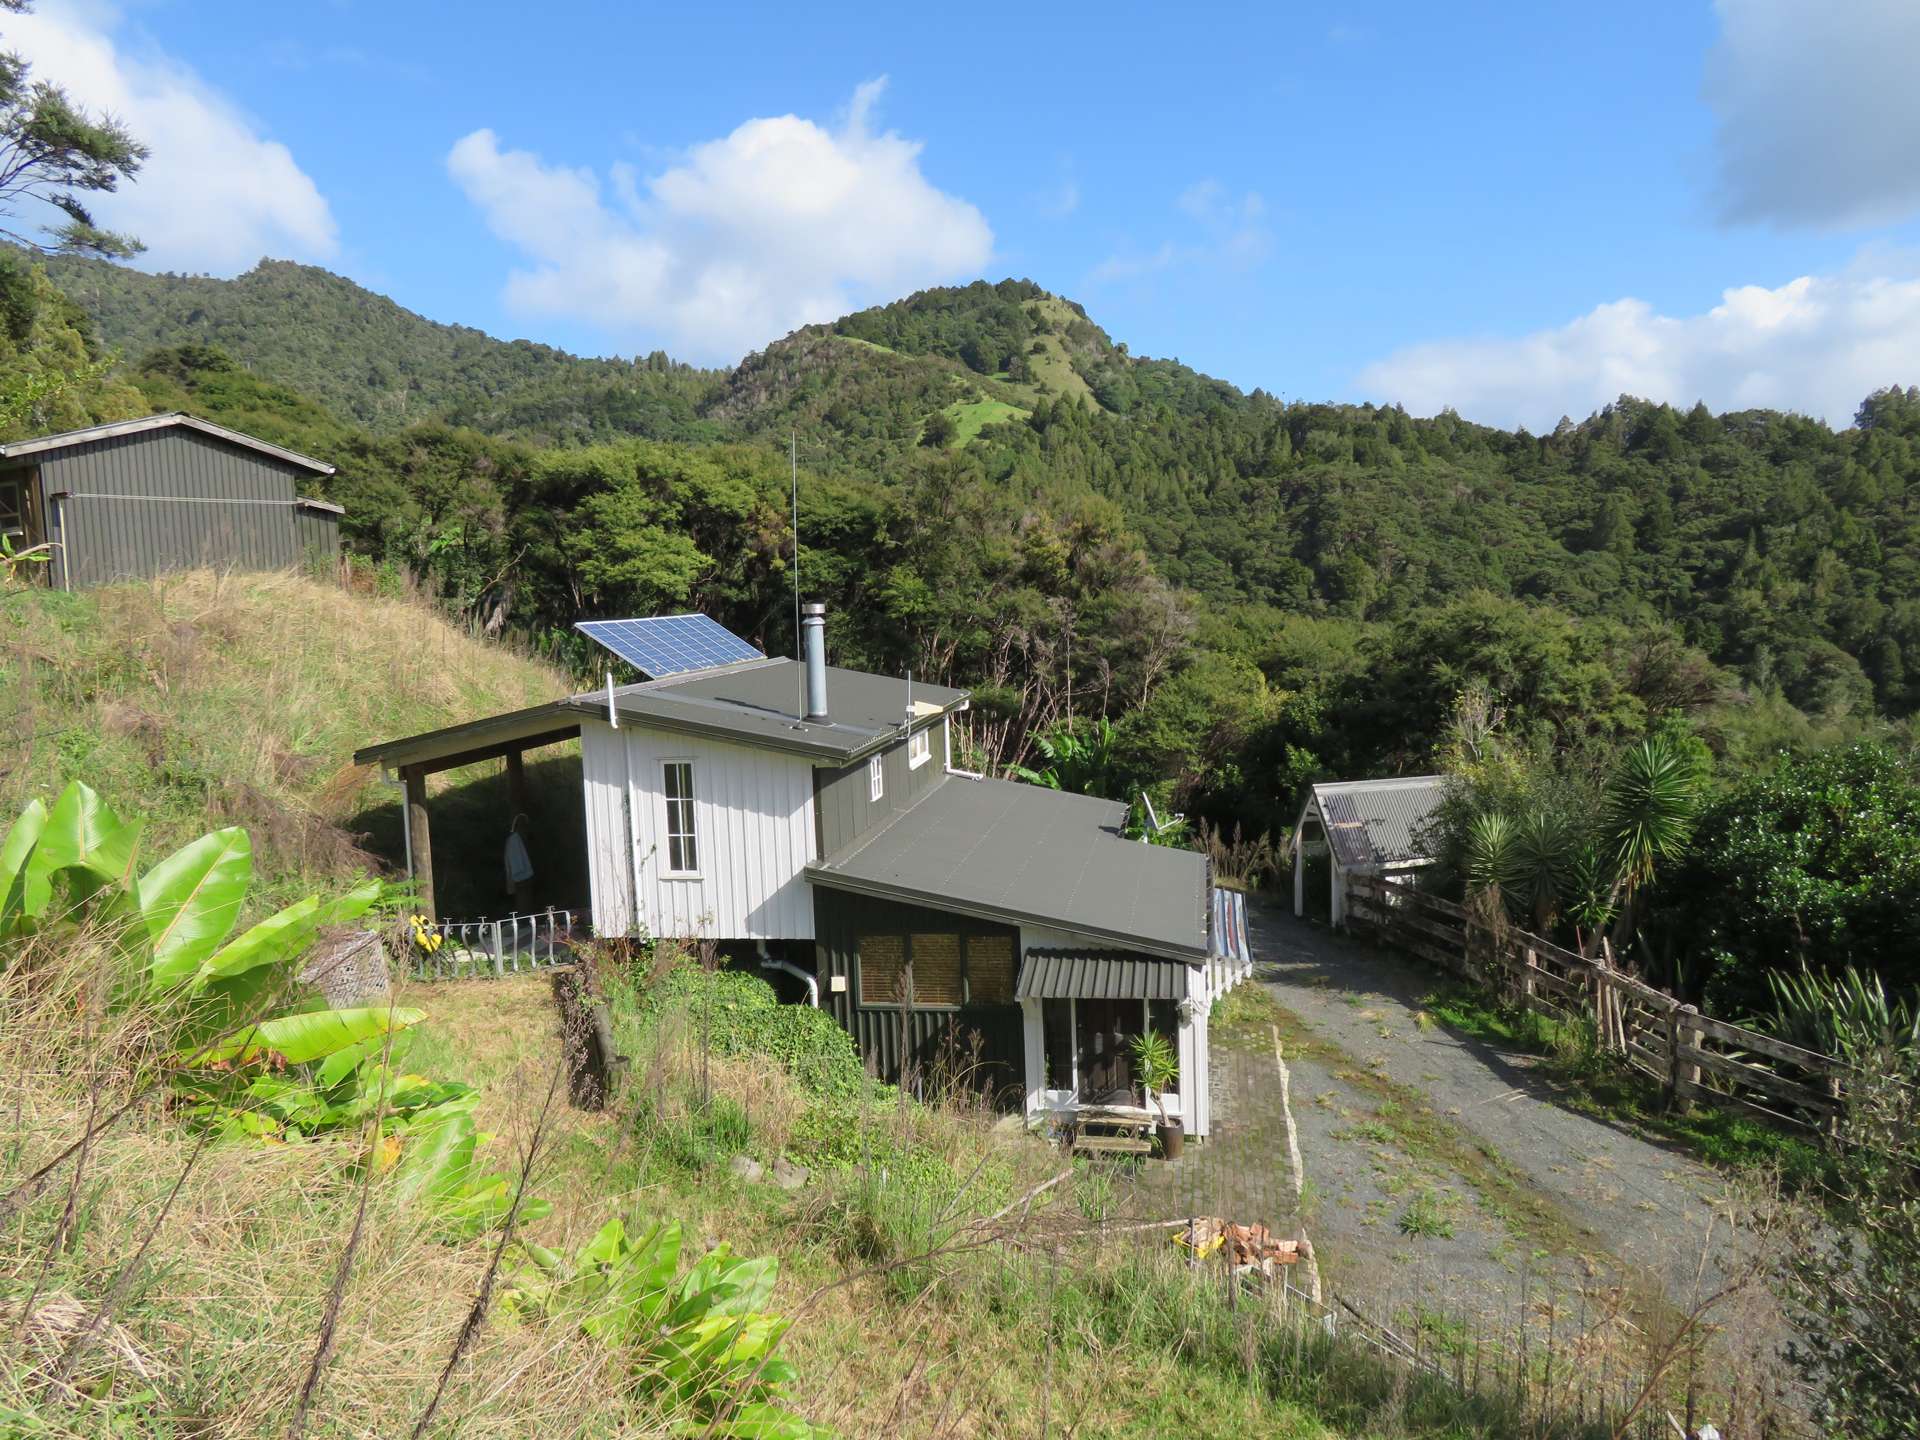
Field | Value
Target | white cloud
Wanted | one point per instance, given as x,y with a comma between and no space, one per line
1817,111
1818,345
781,223
215,196
1232,231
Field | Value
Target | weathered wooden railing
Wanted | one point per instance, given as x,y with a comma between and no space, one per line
1694,1057
511,946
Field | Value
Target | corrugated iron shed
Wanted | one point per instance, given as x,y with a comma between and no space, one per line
1373,823
1102,975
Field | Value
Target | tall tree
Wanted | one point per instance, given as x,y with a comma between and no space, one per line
55,153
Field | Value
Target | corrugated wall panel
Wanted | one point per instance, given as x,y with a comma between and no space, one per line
177,500
604,779
754,828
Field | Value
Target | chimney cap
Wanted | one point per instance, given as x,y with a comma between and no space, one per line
814,607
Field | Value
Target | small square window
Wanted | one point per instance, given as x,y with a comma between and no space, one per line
876,778
919,749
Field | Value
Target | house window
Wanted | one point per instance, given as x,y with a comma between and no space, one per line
919,749
943,970
13,509
883,963
990,969
876,778
683,846
936,970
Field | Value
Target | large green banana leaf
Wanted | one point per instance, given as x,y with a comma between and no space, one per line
14,852
190,901
312,1034
81,834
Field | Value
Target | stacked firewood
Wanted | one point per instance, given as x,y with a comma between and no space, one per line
1248,1247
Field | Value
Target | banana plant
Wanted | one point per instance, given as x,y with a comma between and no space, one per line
701,1342
239,1066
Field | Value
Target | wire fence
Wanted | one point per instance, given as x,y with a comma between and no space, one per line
477,949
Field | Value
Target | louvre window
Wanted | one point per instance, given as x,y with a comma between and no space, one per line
883,959
936,970
683,846
990,969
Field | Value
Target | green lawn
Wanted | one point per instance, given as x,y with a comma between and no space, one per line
970,417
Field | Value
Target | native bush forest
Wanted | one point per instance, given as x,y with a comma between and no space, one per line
1247,593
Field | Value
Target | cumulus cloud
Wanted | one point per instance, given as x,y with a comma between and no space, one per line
215,196
1817,111
1223,229
1817,345
782,223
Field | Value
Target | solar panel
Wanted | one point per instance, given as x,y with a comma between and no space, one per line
669,644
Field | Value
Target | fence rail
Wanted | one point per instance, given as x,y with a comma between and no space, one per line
514,945
1694,1057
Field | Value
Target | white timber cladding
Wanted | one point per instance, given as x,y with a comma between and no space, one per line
753,831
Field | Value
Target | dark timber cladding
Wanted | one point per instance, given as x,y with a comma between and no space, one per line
843,805
142,498
963,976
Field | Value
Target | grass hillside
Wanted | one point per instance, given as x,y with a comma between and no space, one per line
202,699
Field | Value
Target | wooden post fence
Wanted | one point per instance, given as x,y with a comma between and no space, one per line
1693,1057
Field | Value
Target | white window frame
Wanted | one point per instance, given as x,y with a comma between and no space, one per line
667,832
919,748
876,779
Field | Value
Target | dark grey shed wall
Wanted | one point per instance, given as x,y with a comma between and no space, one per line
840,796
160,500
840,919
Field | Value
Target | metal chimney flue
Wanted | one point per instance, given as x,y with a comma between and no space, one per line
813,642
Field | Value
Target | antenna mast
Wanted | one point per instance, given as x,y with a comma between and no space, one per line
799,669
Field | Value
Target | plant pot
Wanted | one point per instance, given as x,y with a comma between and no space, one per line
1172,1138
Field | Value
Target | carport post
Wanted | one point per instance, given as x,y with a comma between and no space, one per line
419,839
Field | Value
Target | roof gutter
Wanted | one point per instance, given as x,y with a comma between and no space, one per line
881,890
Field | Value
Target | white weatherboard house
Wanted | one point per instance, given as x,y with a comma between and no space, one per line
814,815
1365,827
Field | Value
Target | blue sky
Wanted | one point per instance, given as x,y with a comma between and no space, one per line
1519,211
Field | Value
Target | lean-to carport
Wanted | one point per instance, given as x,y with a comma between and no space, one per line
498,737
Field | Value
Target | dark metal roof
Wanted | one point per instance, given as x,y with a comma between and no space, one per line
1101,975
759,702
1026,854
1377,822
751,704
41,443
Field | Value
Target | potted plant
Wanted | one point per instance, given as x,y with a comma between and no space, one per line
1158,1067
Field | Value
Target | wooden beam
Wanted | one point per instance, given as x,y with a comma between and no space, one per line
419,838
493,752
517,784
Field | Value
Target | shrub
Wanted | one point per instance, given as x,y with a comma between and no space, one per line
743,1016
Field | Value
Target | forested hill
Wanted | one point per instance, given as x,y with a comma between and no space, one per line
370,361
1783,549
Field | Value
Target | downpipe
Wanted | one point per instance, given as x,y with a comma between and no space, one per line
812,982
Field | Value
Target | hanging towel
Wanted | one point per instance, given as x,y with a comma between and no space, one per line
519,866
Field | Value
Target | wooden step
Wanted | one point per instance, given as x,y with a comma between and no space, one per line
1113,1144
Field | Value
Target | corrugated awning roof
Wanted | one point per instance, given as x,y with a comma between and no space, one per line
1102,975
1377,822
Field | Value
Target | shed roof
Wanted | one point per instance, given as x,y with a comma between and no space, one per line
755,703
40,444
1101,975
1376,822
1026,854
